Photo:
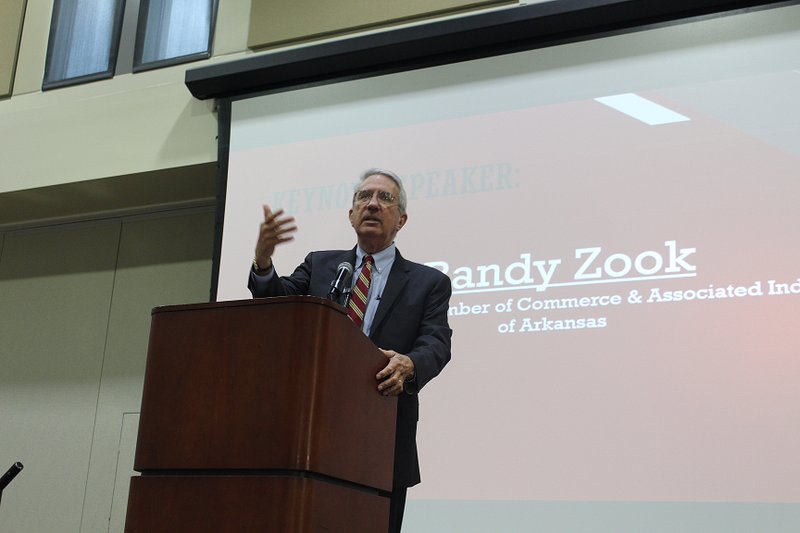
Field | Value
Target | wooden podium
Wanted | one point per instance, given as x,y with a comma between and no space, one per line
262,415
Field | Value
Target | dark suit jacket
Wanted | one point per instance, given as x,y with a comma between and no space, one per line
411,319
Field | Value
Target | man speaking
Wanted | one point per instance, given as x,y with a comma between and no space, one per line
400,305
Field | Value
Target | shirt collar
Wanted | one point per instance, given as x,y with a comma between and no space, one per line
382,259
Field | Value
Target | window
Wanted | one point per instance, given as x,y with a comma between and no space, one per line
85,46
84,38
173,31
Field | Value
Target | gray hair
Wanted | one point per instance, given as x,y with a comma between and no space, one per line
402,201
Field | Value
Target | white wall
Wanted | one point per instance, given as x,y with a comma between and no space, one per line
74,319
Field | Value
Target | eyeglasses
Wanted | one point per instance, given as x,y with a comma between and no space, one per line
384,197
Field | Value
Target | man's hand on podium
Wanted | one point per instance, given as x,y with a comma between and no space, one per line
399,370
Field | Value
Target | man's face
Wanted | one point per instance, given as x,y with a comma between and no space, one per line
374,216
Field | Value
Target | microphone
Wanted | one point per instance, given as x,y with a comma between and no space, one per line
10,474
343,272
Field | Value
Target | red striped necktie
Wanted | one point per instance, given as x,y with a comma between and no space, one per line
358,300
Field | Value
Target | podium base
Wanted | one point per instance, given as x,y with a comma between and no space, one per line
221,503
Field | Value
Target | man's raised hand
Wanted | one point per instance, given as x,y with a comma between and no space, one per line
276,229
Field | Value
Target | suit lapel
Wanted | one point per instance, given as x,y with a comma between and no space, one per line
398,277
323,282
346,255
349,256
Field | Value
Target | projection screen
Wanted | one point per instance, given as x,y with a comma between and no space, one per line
619,221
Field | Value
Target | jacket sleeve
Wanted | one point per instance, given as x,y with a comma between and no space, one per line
431,349
295,285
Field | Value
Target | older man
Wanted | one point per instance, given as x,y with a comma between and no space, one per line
400,305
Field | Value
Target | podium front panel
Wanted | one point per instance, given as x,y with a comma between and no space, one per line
269,384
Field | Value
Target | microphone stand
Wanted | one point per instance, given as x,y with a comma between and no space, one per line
10,474
341,297
346,293
335,294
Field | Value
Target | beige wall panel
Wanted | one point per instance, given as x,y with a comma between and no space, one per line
230,35
191,184
165,260
56,289
277,21
122,483
11,14
33,46
128,125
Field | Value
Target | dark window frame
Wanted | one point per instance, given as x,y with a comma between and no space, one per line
116,32
141,26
